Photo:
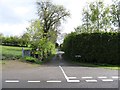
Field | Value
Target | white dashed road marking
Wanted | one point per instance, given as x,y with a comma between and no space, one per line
53,81
115,77
73,80
86,77
107,80
33,81
12,81
72,77
102,77
91,80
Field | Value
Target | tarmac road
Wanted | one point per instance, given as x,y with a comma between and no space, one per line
58,74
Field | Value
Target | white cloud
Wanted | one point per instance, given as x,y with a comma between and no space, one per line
15,15
13,29
21,11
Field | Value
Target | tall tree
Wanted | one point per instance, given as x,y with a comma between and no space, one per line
51,15
96,9
115,12
96,17
86,21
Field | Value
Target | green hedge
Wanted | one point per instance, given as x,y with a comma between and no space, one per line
93,47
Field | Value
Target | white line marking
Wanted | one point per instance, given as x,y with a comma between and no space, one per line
73,80
71,77
115,77
63,73
102,77
11,81
107,80
33,81
53,81
67,78
86,77
91,80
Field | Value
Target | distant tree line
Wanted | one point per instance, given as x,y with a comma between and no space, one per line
22,40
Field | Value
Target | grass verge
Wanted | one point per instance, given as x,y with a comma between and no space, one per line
96,65
106,66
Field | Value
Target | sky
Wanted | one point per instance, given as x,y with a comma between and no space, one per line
15,15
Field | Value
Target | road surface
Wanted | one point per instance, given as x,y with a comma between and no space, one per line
57,74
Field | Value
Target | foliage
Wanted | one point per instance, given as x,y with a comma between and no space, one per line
93,47
15,40
40,45
51,15
115,12
30,59
98,17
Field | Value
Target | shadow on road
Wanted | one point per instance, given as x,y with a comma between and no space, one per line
58,60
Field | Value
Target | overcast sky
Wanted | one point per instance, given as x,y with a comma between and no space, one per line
16,14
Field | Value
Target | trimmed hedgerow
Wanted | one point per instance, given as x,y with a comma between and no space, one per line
93,47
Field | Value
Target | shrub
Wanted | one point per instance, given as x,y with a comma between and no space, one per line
30,59
93,47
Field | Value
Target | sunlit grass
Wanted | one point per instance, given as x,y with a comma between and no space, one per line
11,51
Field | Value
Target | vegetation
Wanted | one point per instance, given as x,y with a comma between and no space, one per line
41,35
11,52
98,17
97,39
106,66
51,16
93,48
21,41
43,31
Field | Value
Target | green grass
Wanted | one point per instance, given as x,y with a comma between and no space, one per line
11,52
97,65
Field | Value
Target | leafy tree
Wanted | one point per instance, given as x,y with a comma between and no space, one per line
86,21
115,12
52,36
40,45
100,17
51,15
96,18
43,31
25,39
35,32
81,29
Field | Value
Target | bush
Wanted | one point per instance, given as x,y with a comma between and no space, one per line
93,47
30,59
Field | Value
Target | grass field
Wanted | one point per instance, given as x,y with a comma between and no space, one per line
11,52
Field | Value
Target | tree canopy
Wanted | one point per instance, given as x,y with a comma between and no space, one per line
98,17
51,15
